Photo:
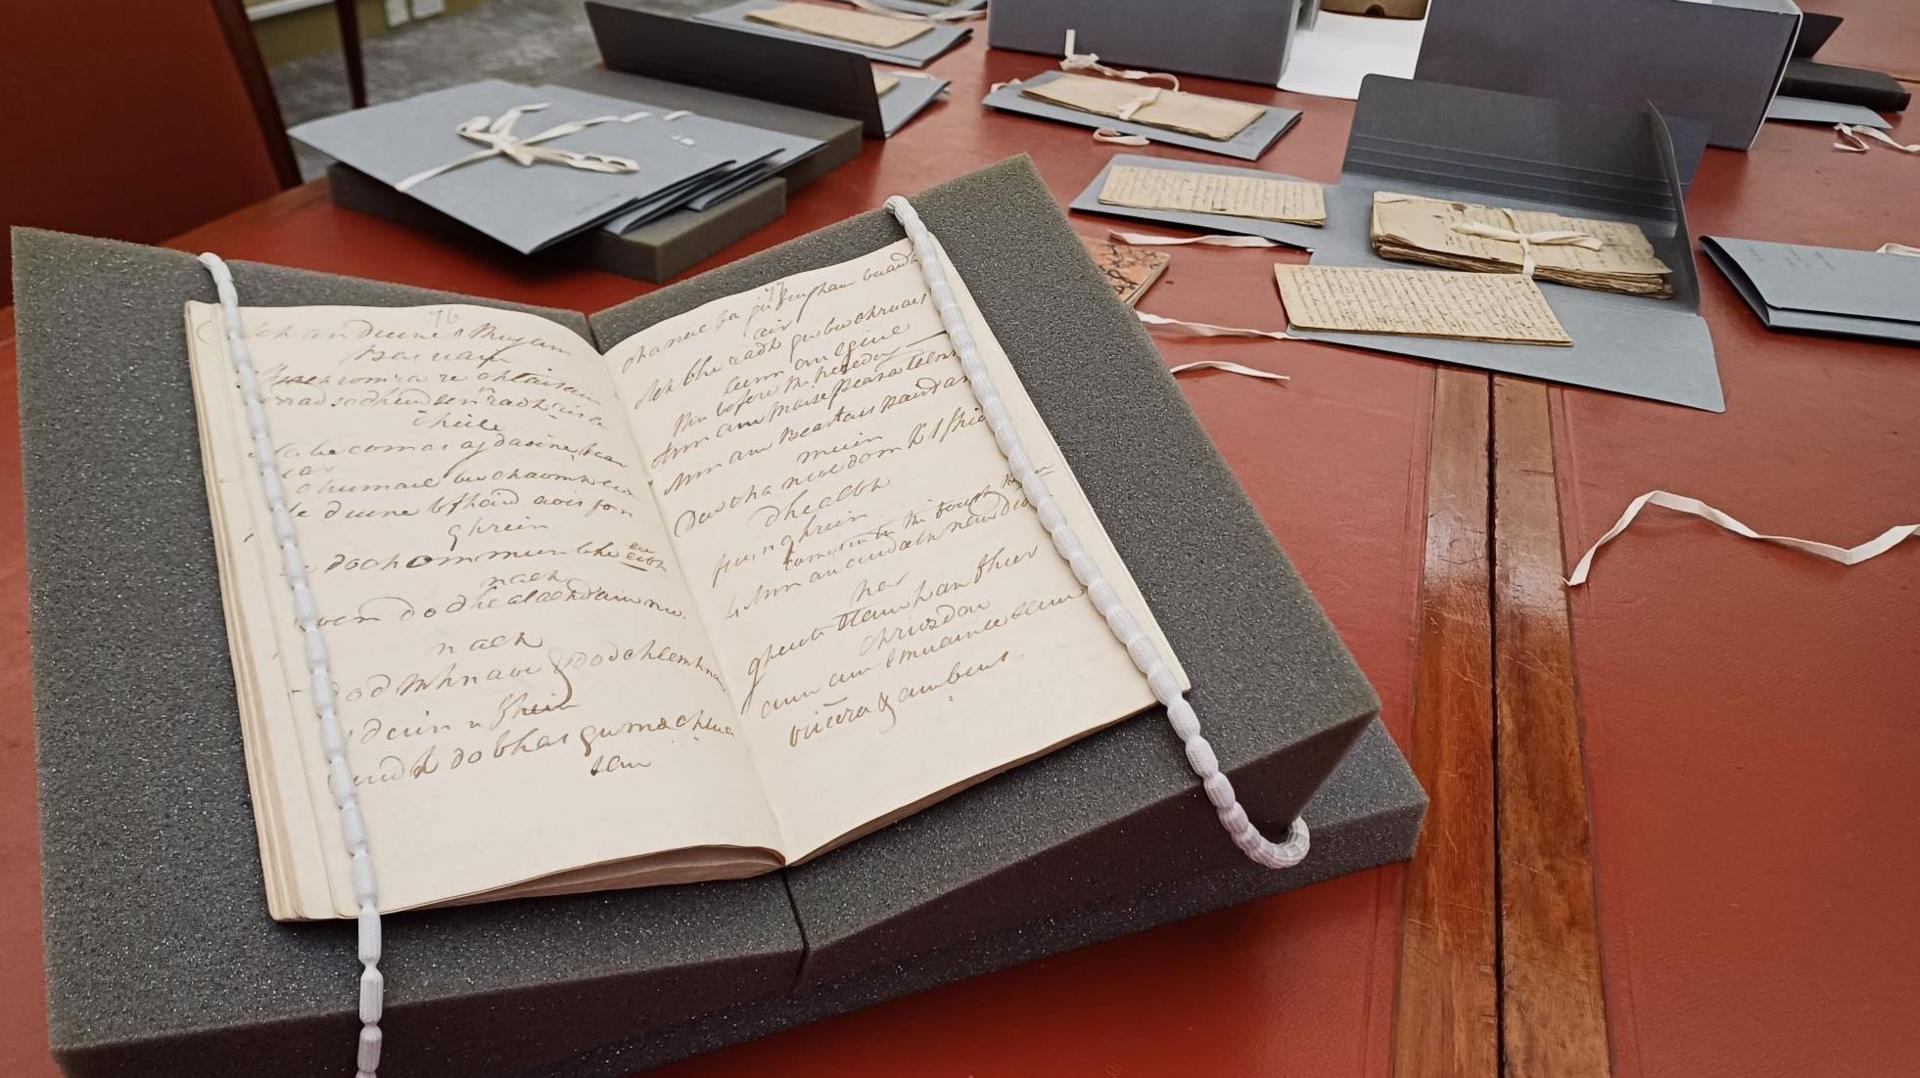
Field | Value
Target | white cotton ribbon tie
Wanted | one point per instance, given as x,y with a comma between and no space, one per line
1229,367
1147,239
1897,249
1872,548
500,141
1141,648
1528,240
1087,61
293,565
1852,140
1178,328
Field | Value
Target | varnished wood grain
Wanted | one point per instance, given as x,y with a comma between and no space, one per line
1554,1022
1446,1021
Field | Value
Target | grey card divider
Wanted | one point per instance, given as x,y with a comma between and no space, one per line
653,38
919,52
1823,289
1456,142
1255,139
1304,237
161,956
1247,40
1719,62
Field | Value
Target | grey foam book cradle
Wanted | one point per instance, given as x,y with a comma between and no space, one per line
161,957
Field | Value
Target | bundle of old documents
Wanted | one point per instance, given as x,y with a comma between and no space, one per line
1607,256
1194,114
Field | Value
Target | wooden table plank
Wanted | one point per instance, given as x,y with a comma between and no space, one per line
1553,1009
1448,1013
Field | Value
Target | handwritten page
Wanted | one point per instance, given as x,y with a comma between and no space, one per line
1129,270
524,683
1578,251
1419,303
1195,114
859,27
893,620
1214,192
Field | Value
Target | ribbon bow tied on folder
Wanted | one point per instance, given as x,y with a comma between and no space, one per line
497,135
1527,240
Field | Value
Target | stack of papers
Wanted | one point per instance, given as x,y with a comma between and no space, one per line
1194,114
1606,256
678,159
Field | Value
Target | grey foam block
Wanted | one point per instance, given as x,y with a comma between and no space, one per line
1368,814
161,958
1277,692
160,954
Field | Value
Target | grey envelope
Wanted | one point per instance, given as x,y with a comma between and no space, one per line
1823,289
1806,110
526,207
919,52
1248,145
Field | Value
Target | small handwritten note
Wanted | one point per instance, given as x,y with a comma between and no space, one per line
859,27
1194,114
1419,303
1145,188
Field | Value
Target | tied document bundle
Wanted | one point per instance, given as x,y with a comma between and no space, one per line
748,585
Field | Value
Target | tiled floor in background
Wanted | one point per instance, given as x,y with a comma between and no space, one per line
519,40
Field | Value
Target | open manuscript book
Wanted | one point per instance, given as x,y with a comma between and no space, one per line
748,585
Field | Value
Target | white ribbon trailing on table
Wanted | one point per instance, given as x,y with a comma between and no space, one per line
1229,367
1872,548
500,141
1204,329
1145,653
1527,240
1897,249
1146,239
1853,143
1119,138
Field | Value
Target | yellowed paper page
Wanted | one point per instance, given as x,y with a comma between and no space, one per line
891,616
1419,303
884,83
859,27
523,682
1213,192
1195,114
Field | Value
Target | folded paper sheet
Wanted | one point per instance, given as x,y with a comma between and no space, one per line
1419,303
1129,270
1608,256
1194,114
1873,294
1293,201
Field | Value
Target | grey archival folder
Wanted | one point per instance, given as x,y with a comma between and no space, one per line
1824,289
639,37
1457,143
526,207
919,52
161,956
1255,139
